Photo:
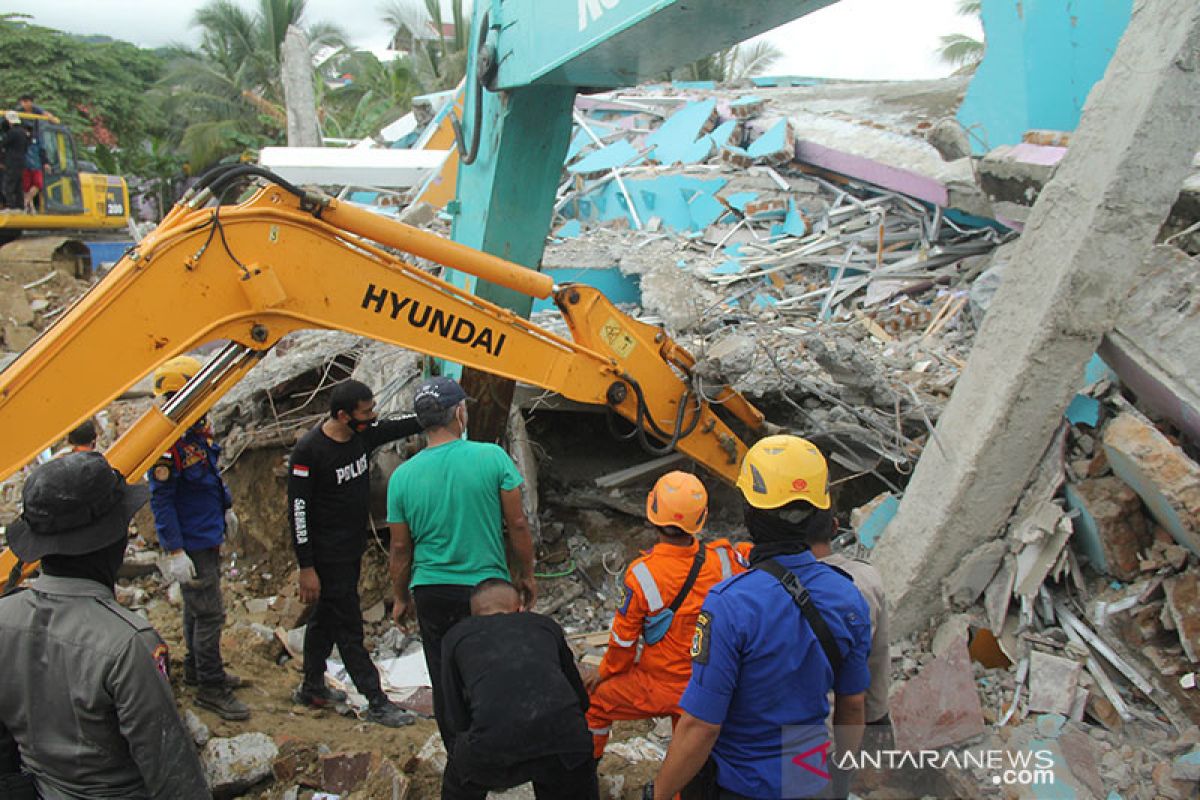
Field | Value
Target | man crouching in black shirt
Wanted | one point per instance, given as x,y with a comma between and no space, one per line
515,702
329,493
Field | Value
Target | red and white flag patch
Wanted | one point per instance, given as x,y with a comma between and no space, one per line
300,471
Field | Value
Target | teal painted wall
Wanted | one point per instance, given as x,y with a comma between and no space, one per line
1042,59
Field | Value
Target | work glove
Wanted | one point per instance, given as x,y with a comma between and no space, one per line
178,567
232,524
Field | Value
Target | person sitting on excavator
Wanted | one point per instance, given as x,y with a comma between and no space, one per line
663,593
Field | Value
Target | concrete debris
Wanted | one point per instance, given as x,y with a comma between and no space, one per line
196,727
940,706
1052,683
1110,527
235,764
1183,604
973,575
1165,478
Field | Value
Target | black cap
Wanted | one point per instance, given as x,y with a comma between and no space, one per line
434,396
73,505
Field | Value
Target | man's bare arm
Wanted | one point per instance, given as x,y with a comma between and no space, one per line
691,745
400,569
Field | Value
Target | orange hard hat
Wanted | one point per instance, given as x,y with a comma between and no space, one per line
678,500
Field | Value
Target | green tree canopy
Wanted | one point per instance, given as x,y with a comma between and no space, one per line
98,87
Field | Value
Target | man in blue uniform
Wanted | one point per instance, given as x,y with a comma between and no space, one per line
191,507
770,645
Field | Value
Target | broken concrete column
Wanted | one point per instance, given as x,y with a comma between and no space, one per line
297,77
1072,268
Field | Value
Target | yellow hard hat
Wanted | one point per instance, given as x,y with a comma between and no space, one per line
172,375
678,499
780,469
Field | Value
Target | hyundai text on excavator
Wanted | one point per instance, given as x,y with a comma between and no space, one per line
286,260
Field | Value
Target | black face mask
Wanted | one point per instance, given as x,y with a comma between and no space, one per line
773,535
100,565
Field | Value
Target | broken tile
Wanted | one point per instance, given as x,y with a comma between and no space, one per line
1052,682
343,772
1183,604
940,706
1110,527
1165,478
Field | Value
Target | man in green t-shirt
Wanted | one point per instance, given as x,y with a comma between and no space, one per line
455,514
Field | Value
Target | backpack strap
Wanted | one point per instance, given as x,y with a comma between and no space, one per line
803,601
693,573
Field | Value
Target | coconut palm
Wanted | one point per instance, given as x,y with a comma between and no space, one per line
226,94
738,63
377,93
960,50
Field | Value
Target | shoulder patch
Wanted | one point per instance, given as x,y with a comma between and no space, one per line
162,660
300,470
624,607
161,472
701,637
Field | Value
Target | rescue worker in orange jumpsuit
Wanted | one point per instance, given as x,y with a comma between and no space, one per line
664,589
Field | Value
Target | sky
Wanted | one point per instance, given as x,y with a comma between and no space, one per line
858,39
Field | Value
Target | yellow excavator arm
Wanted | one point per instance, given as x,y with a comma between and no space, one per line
286,260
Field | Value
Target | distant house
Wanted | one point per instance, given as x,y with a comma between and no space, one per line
406,38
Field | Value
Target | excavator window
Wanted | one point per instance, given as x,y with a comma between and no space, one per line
62,179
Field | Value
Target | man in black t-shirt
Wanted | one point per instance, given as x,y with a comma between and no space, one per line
329,492
515,703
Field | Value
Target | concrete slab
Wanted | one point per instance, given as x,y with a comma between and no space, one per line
1052,682
940,706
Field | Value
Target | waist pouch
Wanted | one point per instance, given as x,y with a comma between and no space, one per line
656,625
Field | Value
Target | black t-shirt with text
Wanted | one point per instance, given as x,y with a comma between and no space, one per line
329,490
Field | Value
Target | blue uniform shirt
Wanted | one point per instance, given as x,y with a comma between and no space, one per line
187,494
757,668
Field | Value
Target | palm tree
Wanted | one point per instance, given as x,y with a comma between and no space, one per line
738,63
226,94
378,93
960,50
439,61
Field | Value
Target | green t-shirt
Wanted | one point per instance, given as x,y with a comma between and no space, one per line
449,496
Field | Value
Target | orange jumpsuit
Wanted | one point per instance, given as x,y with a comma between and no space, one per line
651,686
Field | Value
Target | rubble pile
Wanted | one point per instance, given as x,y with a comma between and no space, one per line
1075,632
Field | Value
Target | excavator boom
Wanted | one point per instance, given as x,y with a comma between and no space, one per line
286,260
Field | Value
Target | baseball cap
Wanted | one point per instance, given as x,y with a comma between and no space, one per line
434,396
73,505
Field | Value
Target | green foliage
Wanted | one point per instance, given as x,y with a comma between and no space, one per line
377,94
226,95
958,49
98,88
